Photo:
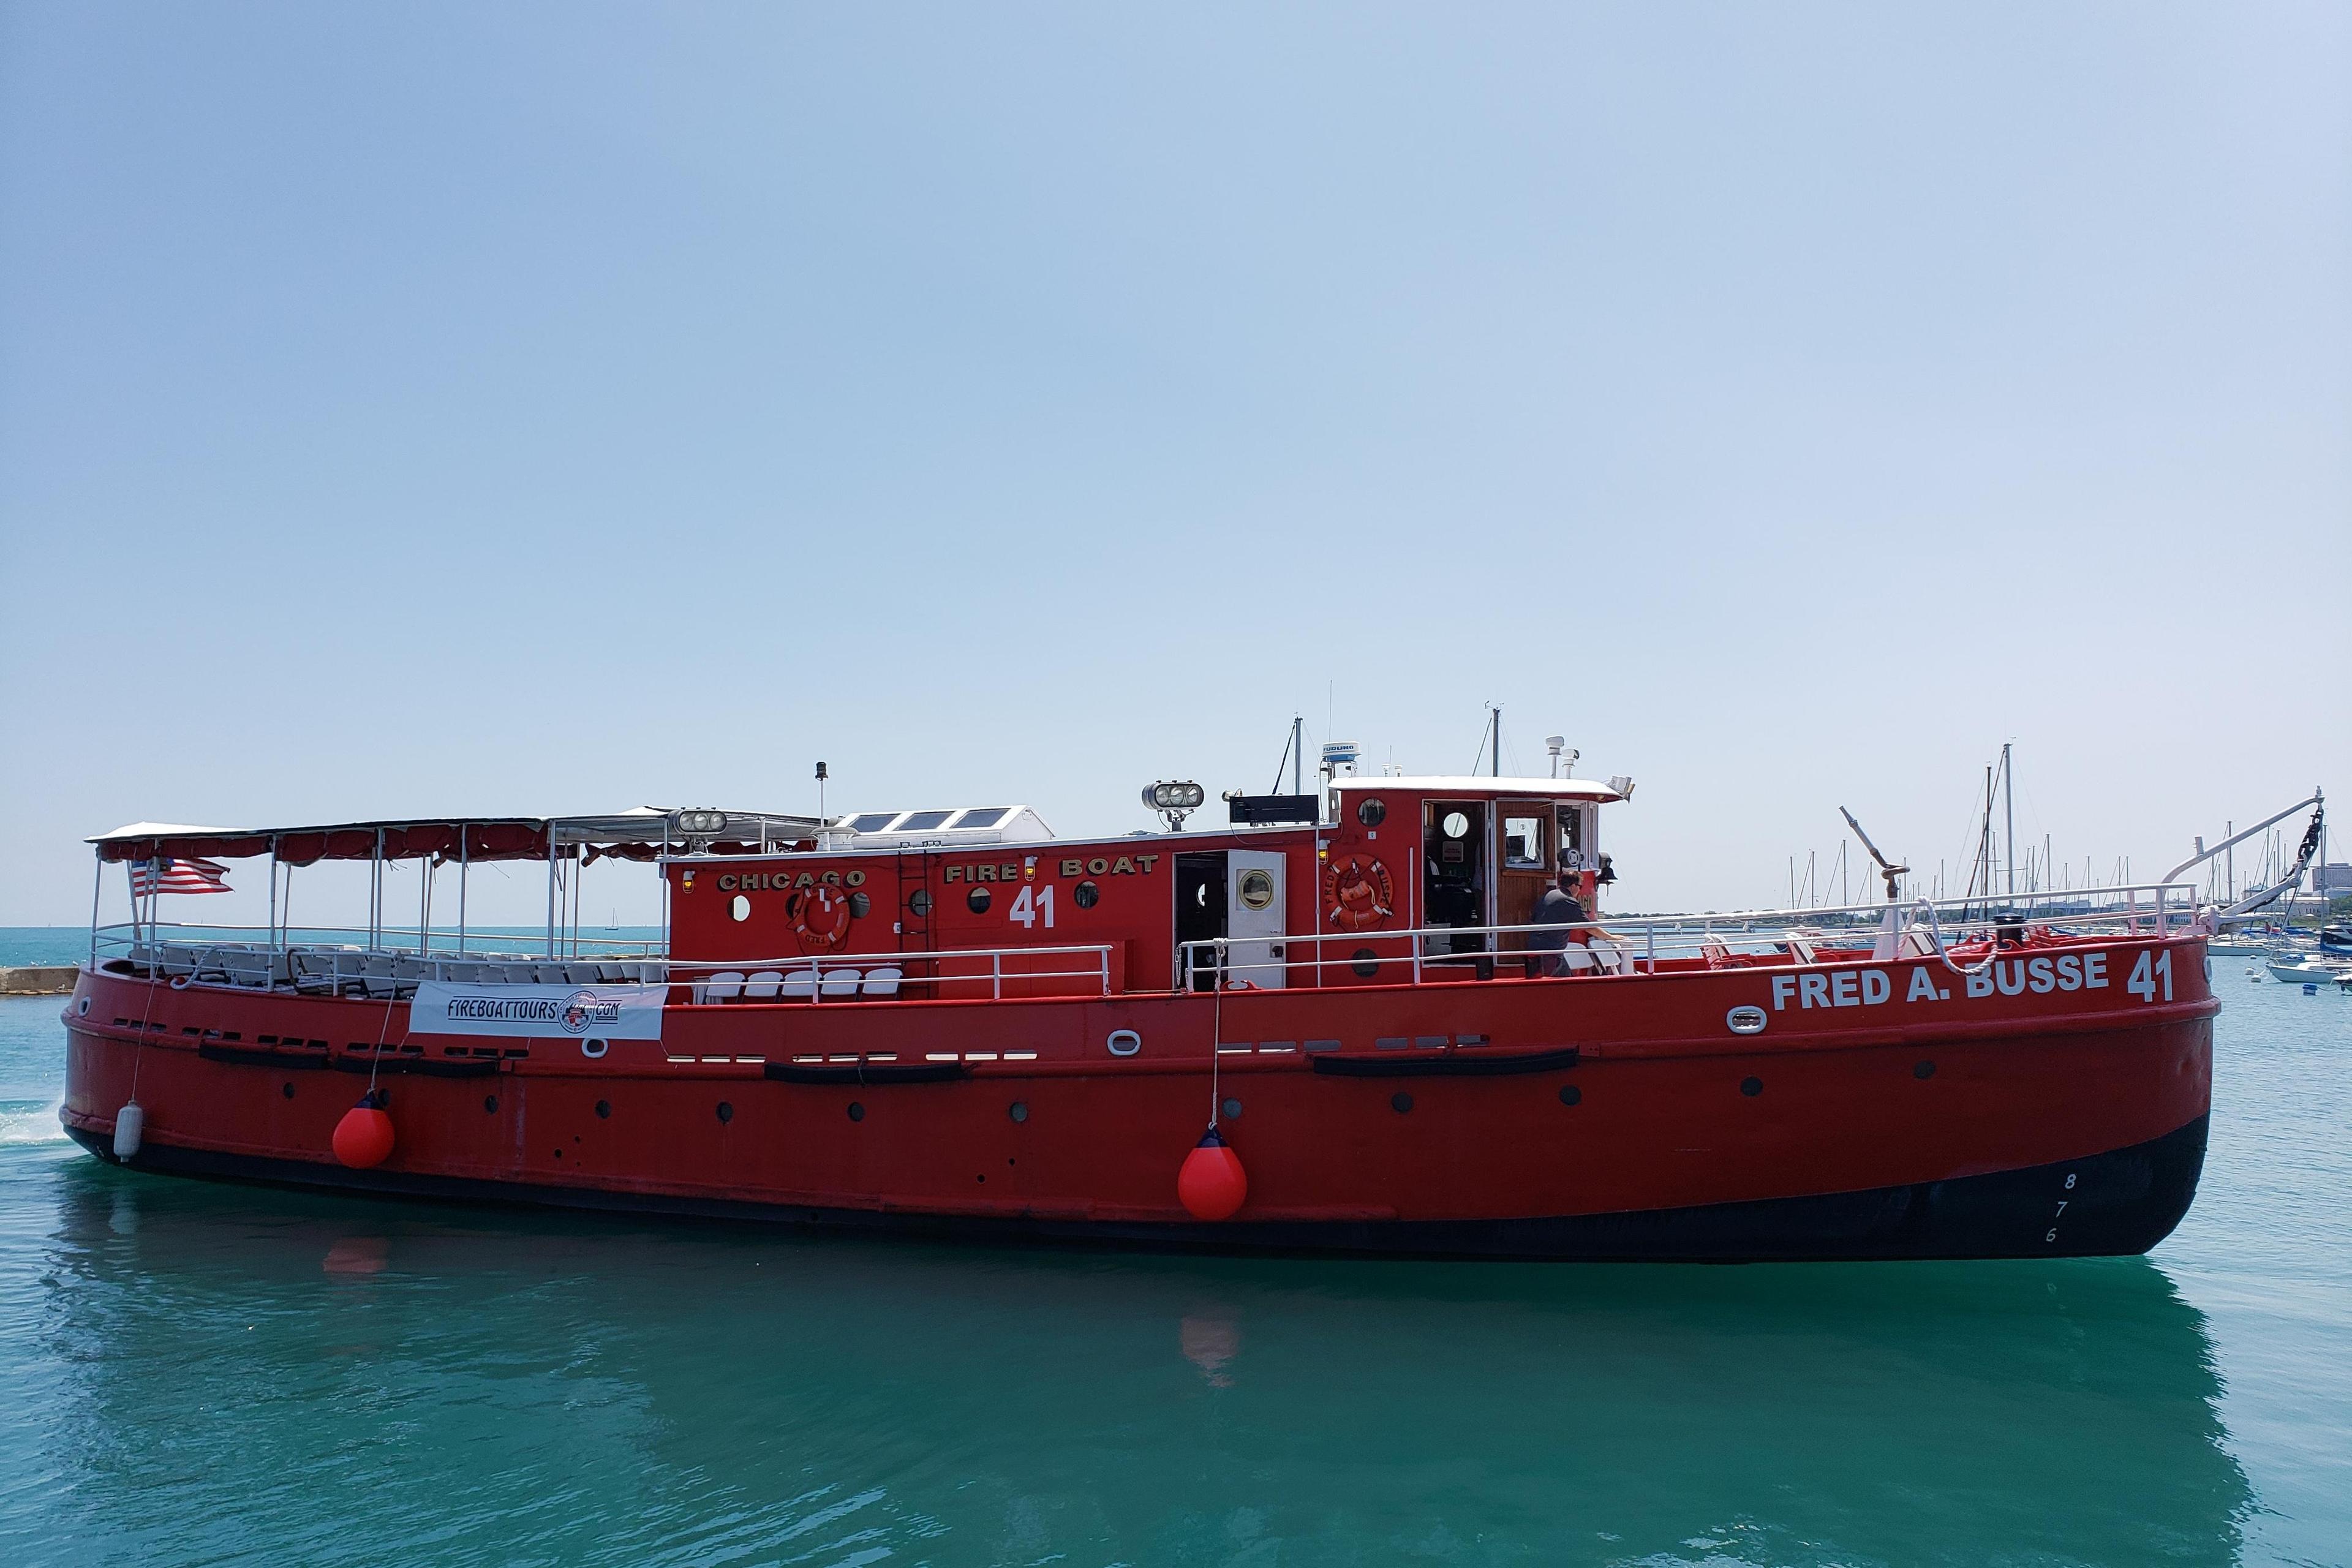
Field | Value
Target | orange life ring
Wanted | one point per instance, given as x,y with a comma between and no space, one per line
1358,892
819,916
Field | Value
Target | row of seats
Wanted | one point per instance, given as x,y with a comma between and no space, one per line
354,971
798,984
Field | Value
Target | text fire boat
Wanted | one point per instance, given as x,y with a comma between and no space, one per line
949,1021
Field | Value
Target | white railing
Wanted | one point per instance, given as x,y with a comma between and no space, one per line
245,957
1637,945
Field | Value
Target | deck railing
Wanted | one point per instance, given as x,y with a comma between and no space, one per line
1638,944
317,961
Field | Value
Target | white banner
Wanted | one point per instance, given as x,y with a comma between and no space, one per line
538,1012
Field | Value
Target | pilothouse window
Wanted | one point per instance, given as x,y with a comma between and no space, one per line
872,822
923,821
1523,843
982,816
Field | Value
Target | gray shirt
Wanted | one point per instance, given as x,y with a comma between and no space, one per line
1555,909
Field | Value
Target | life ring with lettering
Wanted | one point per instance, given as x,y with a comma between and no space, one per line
819,916
1358,893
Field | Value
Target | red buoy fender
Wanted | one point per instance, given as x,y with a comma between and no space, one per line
1211,1184
364,1137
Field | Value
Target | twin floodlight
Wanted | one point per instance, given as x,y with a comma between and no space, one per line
1175,802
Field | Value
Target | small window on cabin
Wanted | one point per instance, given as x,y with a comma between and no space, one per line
1523,846
923,821
1456,825
872,822
1571,836
977,900
983,816
1371,811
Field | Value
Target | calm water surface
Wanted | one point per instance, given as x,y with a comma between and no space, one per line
192,1372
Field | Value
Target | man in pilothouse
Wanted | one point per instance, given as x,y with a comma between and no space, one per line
1561,909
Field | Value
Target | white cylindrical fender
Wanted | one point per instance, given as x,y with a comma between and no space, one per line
130,1125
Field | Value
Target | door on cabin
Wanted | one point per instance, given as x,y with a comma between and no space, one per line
1200,902
1255,918
1453,882
1524,830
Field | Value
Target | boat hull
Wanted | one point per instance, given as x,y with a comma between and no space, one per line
1612,1118
2130,1200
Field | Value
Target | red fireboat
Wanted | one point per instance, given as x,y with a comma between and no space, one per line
1351,1021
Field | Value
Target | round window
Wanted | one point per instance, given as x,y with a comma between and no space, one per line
1371,811
1257,889
977,900
1456,825
860,906
1086,895
741,908
921,902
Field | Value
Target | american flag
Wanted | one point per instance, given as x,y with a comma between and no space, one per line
164,874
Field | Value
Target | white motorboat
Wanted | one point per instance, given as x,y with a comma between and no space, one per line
2308,968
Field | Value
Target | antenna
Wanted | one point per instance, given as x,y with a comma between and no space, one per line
1891,872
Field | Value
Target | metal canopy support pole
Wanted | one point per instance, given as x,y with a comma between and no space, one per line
550,889
273,890
97,886
375,895
424,903
464,844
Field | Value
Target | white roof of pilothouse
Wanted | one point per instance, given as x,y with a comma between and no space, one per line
940,825
1484,784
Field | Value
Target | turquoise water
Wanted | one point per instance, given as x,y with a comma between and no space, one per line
191,1373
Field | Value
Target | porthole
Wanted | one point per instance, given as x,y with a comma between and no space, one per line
977,900
1371,811
857,1112
287,1089
1231,1109
1365,962
1751,1087
1400,1103
1085,895
490,1104
726,1111
1923,1072
1124,1042
603,1109
860,906
741,908
1455,825
1257,890
593,1048
1570,1095
81,1006
1018,1110
920,902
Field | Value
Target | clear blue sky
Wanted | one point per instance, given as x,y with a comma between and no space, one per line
492,409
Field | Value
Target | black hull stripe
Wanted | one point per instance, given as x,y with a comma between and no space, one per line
2119,1204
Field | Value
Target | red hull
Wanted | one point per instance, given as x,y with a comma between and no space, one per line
1585,1117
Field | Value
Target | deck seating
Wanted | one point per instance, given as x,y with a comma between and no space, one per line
883,982
799,985
840,983
375,977
724,986
763,986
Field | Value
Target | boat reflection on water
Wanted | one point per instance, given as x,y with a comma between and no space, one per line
527,1384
